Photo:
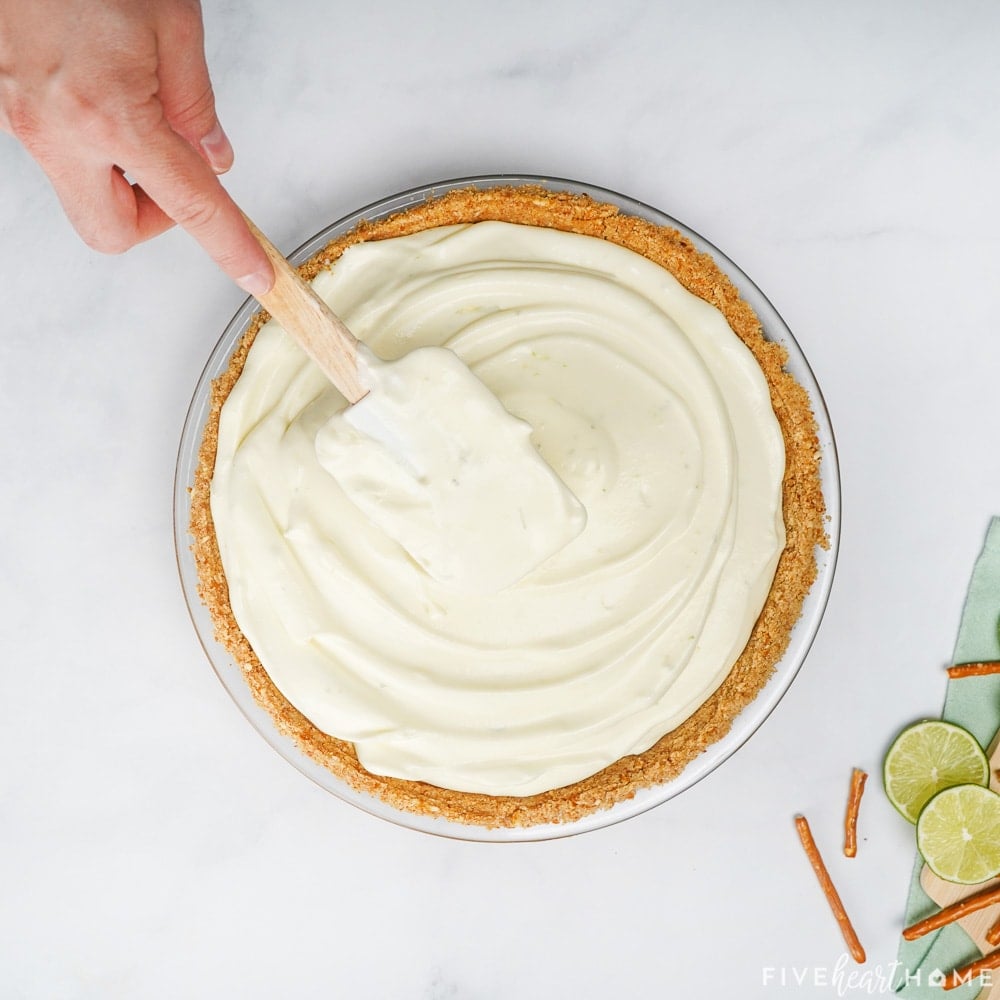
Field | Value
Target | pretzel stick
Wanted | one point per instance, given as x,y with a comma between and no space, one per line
969,972
829,890
992,936
981,669
950,914
858,779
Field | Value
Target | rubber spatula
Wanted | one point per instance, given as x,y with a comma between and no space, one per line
427,452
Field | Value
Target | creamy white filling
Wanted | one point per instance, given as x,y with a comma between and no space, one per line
649,408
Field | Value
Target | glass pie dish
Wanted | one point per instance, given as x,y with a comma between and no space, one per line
745,724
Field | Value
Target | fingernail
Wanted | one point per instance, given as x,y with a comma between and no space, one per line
217,150
257,284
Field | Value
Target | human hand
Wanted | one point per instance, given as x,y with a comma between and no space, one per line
97,88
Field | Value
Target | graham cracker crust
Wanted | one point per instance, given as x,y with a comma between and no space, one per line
803,510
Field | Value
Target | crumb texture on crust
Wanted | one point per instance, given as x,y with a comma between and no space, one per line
803,505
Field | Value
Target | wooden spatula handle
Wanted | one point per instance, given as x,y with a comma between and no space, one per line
315,327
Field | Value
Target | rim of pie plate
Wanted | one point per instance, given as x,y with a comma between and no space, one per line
744,725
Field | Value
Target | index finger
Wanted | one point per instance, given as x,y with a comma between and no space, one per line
188,191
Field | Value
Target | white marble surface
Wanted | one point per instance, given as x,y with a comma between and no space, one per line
152,845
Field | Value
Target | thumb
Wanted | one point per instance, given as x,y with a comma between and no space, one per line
185,90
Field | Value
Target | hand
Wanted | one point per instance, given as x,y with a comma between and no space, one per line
95,88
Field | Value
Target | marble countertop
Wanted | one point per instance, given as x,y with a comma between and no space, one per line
153,846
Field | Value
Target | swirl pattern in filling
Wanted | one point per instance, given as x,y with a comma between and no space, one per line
646,404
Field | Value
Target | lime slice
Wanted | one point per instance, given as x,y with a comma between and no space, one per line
958,833
927,757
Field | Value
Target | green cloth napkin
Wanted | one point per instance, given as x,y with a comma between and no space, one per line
974,703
